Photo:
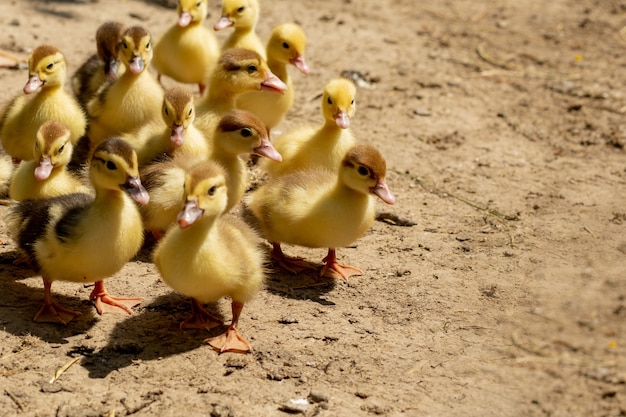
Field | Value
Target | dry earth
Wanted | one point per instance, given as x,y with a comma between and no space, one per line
502,123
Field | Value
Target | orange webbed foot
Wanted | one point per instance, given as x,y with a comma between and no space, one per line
291,264
106,303
229,341
200,318
51,312
333,269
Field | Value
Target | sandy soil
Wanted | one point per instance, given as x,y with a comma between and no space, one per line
502,123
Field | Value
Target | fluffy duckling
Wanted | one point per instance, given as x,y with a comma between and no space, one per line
210,255
242,15
285,47
46,175
318,208
187,51
102,66
6,173
134,99
44,100
325,145
85,238
238,132
238,71
177,135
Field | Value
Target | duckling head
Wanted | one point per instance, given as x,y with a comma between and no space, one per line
46,66
245,70
240,131
238,14
53,148
191,11
108,42
114,166
178,112
136,49
286,44
338,104
206,194
364,169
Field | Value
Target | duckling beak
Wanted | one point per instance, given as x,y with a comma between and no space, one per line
33,84
136,64
299,62
189,214
110,68
342,119
381,190
135,190
178,135
223,23
268,150
44,168
184,19
274,84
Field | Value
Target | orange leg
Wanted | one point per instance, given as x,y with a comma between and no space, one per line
293,265
231,340
200,318
202,88
333,269
50,311
106,303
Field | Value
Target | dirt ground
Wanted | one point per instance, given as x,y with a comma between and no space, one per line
502,123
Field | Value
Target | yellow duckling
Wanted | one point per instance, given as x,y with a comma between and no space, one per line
85,238
134,99
238,71
285,47
325,145
46,175
318,208
6,173
102,66
210,256
242,15
44,100
187,51
178,134
238,132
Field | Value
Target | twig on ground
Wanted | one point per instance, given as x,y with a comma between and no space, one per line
61,370
392,218
15,399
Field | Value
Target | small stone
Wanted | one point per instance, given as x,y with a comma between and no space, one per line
295,405
421,111
318,396
221,410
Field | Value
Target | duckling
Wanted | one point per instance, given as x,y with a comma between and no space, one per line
325,145
210,255
6,173
134,99
44,100
238,71
238,132
178,134
319,208
46,175
243,16
187,51
84,238
102,66
285,47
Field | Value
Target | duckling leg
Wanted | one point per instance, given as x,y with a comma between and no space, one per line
333,269
202,88
50,311
200,318
106,303
293,265
231,340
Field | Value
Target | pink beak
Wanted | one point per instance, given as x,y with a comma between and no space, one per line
178,135
342,119
273,83
223,23
189,214
268,150
43,170
299,62
184,19
33,84
381,190
136,64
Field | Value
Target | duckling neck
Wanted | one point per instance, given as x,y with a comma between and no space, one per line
279,68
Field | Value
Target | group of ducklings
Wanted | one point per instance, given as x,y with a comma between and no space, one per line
89,173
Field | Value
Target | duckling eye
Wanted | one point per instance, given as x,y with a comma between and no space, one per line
352,102
111,165
241,9
363,171
252,68
167,113
330,101
50,66
285,45
212,190
61,149
125,45
148,45
198,4
190,111
246,132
